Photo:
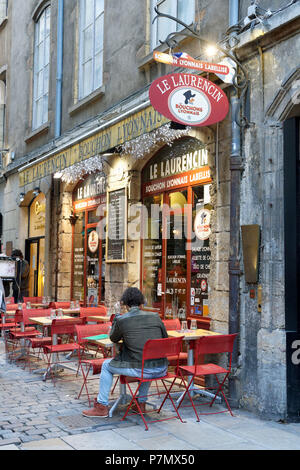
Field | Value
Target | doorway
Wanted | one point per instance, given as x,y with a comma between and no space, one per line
35,255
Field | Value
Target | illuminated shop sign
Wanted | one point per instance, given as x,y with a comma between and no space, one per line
189,99
90,192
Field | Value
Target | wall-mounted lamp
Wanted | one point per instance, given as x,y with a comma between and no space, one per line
21,197
36,192
57,175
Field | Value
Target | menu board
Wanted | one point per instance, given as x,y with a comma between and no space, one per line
116,226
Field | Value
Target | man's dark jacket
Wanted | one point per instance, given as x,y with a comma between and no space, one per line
135,328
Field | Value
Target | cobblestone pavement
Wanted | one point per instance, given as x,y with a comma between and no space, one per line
38,415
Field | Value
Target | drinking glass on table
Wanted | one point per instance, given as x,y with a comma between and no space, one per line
44,300
52,314
20,306
193,324
184,325
77,305
28,305
60,313
72,306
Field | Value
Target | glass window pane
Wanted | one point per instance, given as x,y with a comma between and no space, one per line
39,112
47,50
78,258
89,12
152,253
87,77
99,34
46,79
99,7
41,27
98,70
186,11
88,43
166,26
45,108
40,84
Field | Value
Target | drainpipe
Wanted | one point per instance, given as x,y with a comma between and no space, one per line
234,259
59,66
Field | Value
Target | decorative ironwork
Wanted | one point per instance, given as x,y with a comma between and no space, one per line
240,79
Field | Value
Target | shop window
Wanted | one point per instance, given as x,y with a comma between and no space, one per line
88,271
181,9
176,231
41,69
91,46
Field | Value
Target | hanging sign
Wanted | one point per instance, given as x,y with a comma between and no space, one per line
189,99
182,59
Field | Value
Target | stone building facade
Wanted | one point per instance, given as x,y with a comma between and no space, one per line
105,126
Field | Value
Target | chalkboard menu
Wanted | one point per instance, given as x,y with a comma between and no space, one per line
116,226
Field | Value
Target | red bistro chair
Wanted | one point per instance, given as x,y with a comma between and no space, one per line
175,325
66,328
209,345
34,343
155,349
57,305
19,334
82,332
92,311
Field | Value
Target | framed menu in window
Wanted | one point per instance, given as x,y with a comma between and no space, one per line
116,227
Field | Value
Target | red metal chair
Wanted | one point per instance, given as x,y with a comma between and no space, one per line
34,343
10,307
82,332
62,327
209,345
34,300
57,305
155,349
19,333
172,325
92,311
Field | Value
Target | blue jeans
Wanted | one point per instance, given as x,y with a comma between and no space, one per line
108,372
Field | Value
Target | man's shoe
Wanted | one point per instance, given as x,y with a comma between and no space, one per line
142,406
99,411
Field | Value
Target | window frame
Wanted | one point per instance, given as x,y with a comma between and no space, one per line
81,83
154,40
46,83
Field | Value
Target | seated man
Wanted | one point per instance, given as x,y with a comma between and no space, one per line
134,327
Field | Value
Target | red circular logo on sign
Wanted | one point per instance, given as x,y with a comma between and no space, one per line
188,99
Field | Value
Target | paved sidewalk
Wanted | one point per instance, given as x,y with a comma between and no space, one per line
36,415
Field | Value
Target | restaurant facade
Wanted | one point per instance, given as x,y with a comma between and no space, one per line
120,195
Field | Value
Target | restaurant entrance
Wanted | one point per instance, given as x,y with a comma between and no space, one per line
35,245
175,248
88,261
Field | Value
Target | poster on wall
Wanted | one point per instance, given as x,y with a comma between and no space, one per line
189,99
116,226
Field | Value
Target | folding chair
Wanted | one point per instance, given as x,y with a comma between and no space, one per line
66,328
209,345
82,332
57,305
155,349
92,311
18,334
175,325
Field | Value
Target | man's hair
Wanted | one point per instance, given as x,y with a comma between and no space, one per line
17,253
132,297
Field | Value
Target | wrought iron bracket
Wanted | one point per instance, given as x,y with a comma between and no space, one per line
240,80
